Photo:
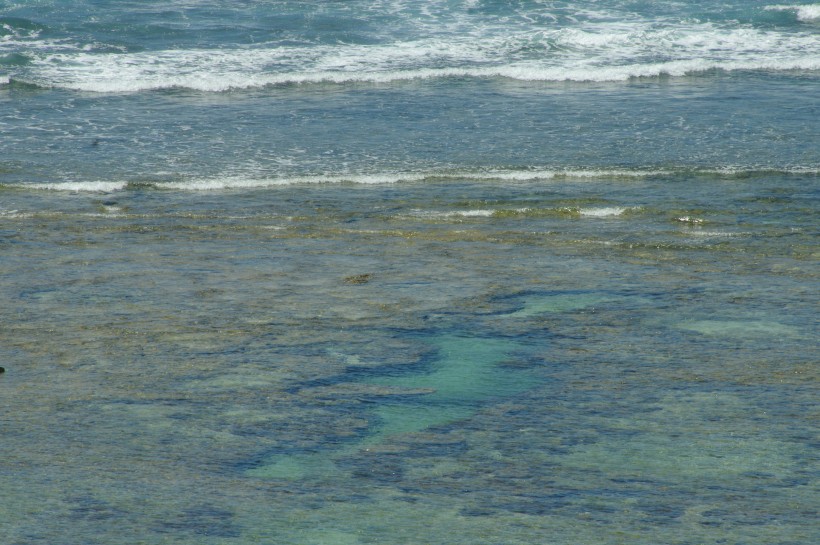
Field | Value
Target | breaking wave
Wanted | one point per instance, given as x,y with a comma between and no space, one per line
234,182
599,53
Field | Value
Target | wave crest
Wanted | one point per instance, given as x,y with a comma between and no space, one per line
598,54
804,12
531,175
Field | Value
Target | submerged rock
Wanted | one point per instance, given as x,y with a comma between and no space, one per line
358,278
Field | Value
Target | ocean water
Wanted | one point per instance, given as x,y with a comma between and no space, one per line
402,272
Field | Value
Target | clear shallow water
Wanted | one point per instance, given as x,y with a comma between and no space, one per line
380,273
175,371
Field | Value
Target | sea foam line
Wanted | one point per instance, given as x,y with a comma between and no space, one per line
75,187
218,83
238,182
383,178
601,53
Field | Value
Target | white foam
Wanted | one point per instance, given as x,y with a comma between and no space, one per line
599,52
29,41
610,173
603,212
105,81
528,176
472,213
221,183
715,234
805,12
383,178
742,172
77,187
480,213
229,182
522,176
14,214
240,182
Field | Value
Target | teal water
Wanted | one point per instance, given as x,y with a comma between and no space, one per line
452,272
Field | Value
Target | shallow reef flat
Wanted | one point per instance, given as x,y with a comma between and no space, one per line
356,372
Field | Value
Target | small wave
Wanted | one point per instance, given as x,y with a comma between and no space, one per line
603,212
523,175
522,212
532,72
471,213
239,182
76,187
14,215
431,214
526,175
690,220
736,172
805,12
716,234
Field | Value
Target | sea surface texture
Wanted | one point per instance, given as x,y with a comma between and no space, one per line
394,272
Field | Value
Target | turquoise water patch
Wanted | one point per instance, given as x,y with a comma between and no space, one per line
467,372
